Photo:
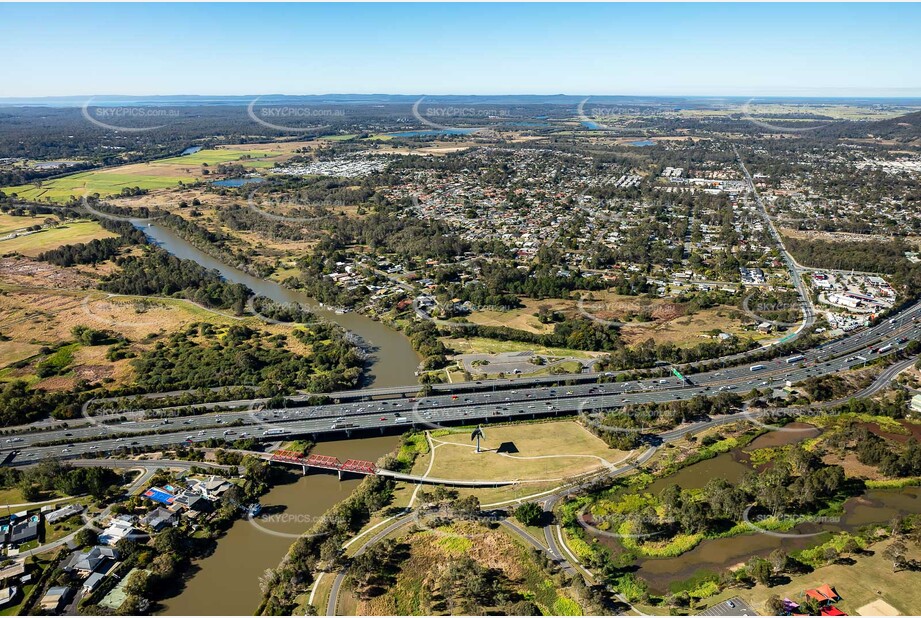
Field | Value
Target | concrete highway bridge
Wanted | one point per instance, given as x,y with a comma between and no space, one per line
398,409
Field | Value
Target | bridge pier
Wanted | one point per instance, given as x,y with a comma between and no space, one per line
304,470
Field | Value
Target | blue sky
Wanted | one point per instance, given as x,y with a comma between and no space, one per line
692,49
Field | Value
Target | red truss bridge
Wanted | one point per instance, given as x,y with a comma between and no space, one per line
353,466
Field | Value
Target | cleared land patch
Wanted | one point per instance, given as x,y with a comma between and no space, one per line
50,238
538,451
860,585
153,175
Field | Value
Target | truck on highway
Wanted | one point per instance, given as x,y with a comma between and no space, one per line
274,432
756,368
795,359
885,348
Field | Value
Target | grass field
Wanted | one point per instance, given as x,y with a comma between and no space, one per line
51,238
507,494
214,157
666,320
9,223
545,451
860,584
160,174
11,496
481,345
103,182
32,317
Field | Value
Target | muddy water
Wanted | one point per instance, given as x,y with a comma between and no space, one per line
733,465
227,581
793,433
394,361
876,506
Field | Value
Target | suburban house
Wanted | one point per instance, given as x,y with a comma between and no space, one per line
54,598
211,488
23,531
8,595
159,518
89,561
92,582
63,513
119,528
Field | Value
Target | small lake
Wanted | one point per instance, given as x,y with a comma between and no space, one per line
190,150
733,465
641,143
237,182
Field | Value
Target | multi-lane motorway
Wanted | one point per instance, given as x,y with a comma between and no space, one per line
472,402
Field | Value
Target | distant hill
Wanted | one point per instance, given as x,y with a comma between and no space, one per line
905,128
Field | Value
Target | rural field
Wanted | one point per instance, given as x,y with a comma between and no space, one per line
153,175
529,452
482,345
10,223
867,588
68,233
33,317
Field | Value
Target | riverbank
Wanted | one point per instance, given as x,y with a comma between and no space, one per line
393,362
698,551
253,545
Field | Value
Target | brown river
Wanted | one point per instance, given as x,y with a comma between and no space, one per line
227,581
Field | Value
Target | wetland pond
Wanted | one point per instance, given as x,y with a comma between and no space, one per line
715,555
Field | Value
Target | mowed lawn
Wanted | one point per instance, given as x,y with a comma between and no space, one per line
545,451
103,182
67,234
10,223
215,157
160,174
869,579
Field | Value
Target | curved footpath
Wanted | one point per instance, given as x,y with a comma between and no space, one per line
554,545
